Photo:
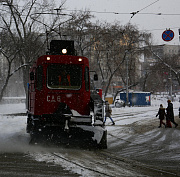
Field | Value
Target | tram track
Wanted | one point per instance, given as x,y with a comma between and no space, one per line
103,165
98,161
81,166
134,112
131,114
117,162
124,161
137,164
143,146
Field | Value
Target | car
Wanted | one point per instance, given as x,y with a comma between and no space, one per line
119,103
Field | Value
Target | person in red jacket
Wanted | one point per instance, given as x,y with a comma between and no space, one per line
64,79
161,114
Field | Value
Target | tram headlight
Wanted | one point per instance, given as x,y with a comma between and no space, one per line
64,51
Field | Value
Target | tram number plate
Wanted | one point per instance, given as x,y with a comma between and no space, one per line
53,99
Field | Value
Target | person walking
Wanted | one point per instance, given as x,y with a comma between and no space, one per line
161,114
168,122
170,113
108,111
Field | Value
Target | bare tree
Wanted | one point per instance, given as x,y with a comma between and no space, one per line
107,46
119,43
10,56
165,68
26,26
79,29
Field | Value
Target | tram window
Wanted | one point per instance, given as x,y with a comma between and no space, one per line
64,77
39,78
31,75
87,78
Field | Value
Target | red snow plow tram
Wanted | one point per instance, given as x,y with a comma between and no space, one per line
60,102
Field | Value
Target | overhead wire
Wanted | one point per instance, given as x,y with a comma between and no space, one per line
120,13
160,29
134,13
149,5
126,13
139,13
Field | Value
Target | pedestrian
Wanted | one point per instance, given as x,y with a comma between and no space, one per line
108,111
170,113
161,114
168,122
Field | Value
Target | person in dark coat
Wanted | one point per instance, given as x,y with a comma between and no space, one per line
108,111
161,114
170,113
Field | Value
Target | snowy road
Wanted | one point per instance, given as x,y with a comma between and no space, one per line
136,147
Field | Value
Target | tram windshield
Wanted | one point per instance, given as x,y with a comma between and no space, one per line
64,77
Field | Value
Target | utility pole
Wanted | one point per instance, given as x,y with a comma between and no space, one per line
170,92
127,75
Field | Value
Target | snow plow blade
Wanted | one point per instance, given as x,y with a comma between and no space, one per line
77,130
97,138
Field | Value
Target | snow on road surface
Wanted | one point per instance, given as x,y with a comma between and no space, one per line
135,136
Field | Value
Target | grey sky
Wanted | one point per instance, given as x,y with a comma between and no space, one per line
156,24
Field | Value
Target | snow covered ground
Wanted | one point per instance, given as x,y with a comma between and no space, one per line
122,136
121,115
